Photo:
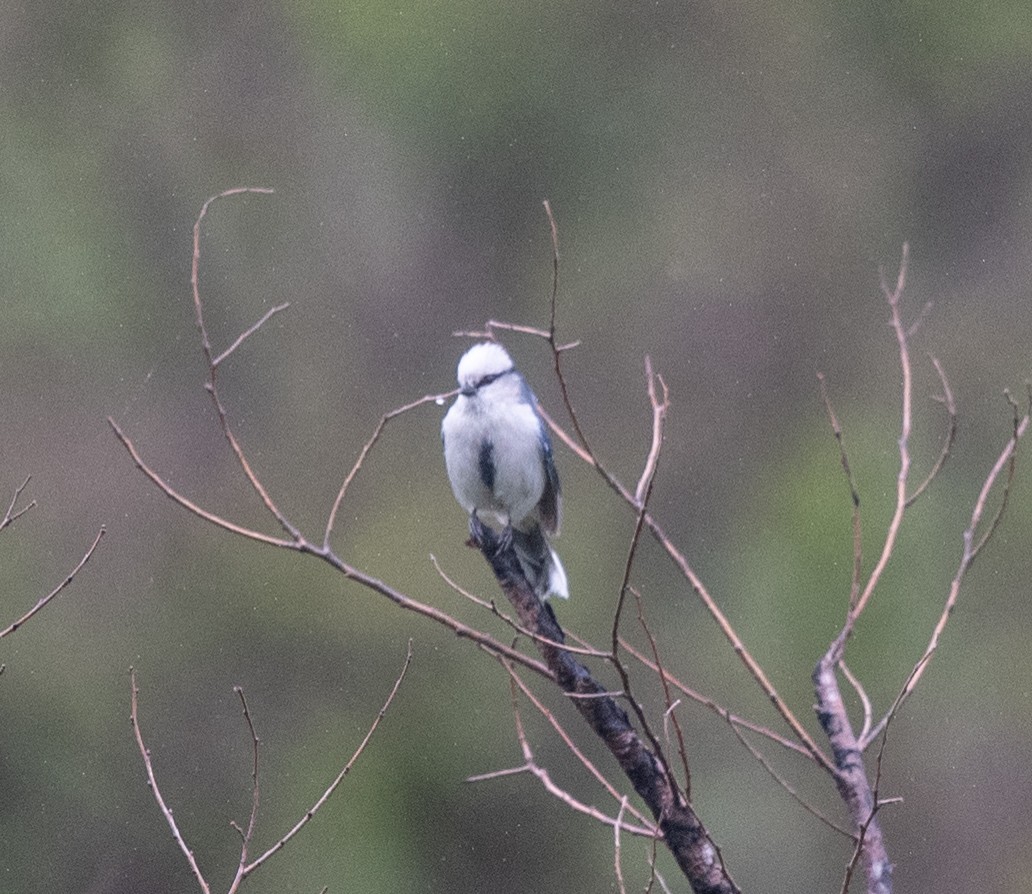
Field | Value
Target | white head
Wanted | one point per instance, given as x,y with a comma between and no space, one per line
481,364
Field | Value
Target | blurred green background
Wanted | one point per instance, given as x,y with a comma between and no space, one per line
727,178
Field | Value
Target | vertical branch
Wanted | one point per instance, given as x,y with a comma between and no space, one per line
213,361
155,790
893,297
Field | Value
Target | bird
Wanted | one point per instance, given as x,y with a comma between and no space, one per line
499,461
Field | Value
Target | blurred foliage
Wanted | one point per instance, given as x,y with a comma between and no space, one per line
728,179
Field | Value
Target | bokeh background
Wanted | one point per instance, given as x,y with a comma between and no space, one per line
728,178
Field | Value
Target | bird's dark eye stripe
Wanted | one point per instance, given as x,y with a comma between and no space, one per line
488,379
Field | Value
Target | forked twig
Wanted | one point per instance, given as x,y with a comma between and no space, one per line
1005,461
492,607
245,868
531,766
326,795
894,297
682,748
369,444
12,514
947,401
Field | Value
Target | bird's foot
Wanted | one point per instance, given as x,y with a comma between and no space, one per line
480,535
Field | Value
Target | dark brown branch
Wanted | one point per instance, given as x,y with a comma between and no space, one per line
683,832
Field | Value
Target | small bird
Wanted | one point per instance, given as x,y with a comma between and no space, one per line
499,460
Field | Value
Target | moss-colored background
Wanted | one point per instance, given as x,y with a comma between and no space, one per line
728,178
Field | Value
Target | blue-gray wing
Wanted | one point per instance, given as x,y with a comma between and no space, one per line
550,505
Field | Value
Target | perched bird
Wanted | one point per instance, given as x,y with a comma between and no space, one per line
499,461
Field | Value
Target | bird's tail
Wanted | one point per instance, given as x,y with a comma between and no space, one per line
540,563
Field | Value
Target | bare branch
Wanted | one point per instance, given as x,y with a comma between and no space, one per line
11,514
212,384
951,431
574,750
196,262
682,749
531,766
44,601
300,824
785,784
437,399
971,549
716,708
247,333
189,505
696,853
155,790
246,835
854,586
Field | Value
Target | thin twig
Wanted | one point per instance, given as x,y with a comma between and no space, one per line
11,515
155,790
189,505
554,230
212,384
492,607
573,749
715,707
644,492
531,766
836,428
761,759
300,824
682,749
247,333
617,868
369,444
862,695
255,791
659,411
951,432
42,603
971,549
893,297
